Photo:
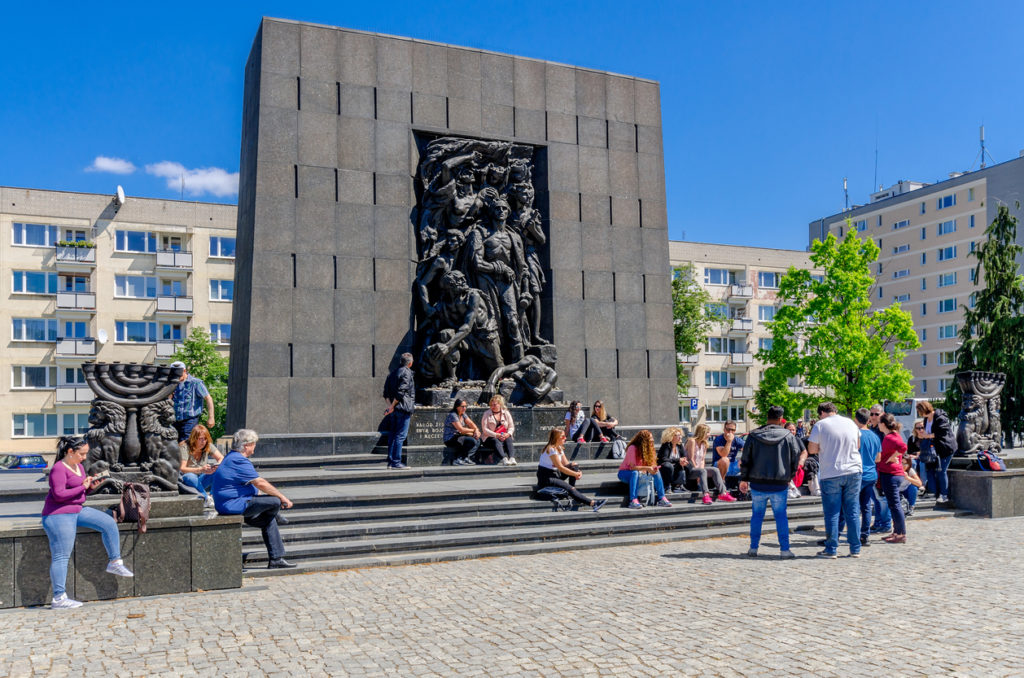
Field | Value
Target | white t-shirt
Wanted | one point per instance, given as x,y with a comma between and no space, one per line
838,440
575,423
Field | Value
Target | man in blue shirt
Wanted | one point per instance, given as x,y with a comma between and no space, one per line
189,397
870,448
236,487
726,447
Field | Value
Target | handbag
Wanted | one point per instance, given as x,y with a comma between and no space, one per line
134,506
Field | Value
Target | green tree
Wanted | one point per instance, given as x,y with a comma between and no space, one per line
690,316
826,335
205,362
992,336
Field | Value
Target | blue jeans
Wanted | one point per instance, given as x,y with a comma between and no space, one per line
943,479
201,482
397,432
760,507
891,488
61,529
841,492
185,426
867,496
632,478
262,512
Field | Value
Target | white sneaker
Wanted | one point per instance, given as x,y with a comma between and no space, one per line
209,502
506,461
512,461
117,567
62,602
943,499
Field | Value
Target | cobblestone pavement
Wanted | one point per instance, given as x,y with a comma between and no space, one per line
949,602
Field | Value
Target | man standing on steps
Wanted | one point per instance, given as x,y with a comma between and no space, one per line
400,394
769,461
836,441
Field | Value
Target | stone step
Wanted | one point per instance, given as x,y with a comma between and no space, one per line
433,454
316,461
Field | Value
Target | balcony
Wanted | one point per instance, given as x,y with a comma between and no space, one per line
693,392
75,258
741,291
165,348
73,348
742,358
76,301
742,325
742,392
174,259
174,305
74,394
687,359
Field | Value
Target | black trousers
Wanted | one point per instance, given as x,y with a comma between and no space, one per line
459,447
588,430
505,448
547,477
672,474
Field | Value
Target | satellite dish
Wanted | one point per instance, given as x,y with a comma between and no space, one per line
120,195
101,335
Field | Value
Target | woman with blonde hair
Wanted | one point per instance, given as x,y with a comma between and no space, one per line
605,422
641,459
696,450
498,428
553,469
196,467
671,461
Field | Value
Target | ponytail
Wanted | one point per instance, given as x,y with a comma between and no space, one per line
67,443
891,423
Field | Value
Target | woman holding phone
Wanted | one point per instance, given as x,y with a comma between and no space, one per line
196,465
498,430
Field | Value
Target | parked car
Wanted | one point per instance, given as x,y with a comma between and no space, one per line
22,462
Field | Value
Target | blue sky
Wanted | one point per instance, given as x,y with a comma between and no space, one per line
765,106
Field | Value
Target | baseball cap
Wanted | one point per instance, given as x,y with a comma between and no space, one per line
178,363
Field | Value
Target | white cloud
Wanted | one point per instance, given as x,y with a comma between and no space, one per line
213,180
112,165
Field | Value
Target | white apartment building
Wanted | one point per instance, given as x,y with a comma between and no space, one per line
925,233
85,278
742,282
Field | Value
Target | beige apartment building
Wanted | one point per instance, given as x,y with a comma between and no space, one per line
743,282
87,278
925,233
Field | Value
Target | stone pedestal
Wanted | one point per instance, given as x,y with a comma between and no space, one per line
992,494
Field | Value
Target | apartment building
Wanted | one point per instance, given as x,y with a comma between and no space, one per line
925,233
87,278
743,283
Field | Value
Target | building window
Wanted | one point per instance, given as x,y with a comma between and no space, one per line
222,247
75,329
947,332
879,292
718,276
135,286
972,221
945,201
924,386
947,305
134,241
947,279
718,345
764,343
718,379
924,334
970,198
171,331
943,385
879,222
718,311
922,208
34,425
971,273
902,273
172,288
861,225
902,298
766,279
947,227
34,329
924,283
924,233
75,424
34,282
924,309
901,224
33,376
947,358
947,253
220,333
973,245
132,332
766,313
222,290
901,249
879,268
924,360
973,299
73,283
74,376
34,235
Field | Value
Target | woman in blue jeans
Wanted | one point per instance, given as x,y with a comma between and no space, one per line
199,462
641,459
891,475
64,512
939,430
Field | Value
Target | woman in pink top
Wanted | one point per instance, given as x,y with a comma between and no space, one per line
696,451
641,459
63,512
498,430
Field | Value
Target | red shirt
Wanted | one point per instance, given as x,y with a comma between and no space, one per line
892,444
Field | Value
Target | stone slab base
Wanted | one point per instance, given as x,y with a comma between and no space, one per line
993,494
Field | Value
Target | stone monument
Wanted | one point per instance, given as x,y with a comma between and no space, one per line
131,425
474,209
980,425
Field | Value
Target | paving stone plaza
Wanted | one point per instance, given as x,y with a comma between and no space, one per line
947,603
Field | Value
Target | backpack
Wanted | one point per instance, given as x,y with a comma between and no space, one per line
618,448
990,461
134,506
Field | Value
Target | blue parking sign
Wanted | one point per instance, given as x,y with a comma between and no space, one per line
693,403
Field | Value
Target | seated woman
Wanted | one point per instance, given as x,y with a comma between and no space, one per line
640,458
461,436
554,470
604,422
196,468
696,451
498,428
671,461
578,426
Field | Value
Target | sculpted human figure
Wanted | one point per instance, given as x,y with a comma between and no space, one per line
430,270
526,222
475,335
534,377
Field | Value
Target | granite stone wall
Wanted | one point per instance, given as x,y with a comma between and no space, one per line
326,246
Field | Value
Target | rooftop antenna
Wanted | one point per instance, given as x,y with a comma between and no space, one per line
846,195
182,186
982,152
